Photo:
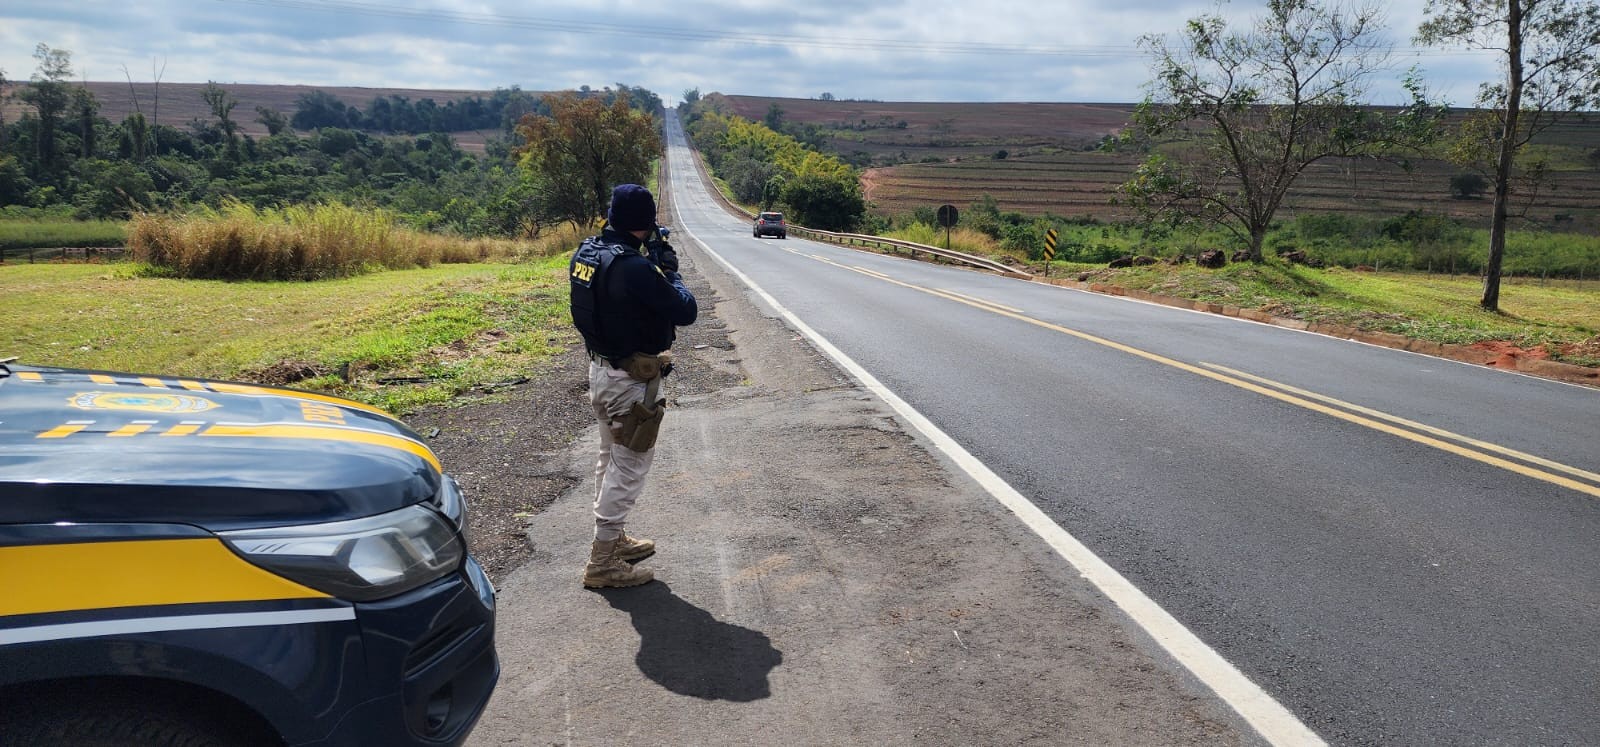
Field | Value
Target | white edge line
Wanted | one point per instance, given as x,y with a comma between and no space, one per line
1267,716
176,622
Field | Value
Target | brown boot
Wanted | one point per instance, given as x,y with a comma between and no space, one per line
606,569
633,549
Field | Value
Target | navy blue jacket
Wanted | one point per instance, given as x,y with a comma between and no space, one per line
639,304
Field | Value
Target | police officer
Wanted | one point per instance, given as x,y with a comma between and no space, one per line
627,300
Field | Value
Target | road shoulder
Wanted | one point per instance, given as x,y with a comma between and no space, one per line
823,580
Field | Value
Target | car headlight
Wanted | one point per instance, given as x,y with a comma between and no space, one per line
450,502
360,560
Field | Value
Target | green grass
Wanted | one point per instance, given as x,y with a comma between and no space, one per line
454,328
47,233
1438,308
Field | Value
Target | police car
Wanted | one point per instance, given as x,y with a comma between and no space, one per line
185,561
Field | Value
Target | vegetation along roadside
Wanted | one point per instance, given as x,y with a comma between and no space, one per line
398,339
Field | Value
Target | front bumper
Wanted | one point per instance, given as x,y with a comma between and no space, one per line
433,651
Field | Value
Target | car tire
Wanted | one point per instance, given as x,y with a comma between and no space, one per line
119,724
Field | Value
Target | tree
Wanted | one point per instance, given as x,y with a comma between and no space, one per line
1468,186
135,137
1549,51
2,113
273,119
774,118
830,201
583,149
222,104
88,109
1260,106
319,108
48,93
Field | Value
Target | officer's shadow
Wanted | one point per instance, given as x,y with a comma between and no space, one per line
687,651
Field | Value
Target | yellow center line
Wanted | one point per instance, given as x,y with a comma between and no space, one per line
1485,445
1265,391
873,273
975,299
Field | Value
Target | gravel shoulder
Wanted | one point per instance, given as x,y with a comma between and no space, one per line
822,577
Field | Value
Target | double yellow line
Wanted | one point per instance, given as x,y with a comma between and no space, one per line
1527,465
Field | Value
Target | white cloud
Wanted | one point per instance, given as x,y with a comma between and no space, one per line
887,50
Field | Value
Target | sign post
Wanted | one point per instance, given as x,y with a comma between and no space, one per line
947,218
1049,250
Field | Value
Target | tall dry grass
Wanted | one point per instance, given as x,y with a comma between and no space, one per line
299,242
962,239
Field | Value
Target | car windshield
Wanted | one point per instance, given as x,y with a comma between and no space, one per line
772,216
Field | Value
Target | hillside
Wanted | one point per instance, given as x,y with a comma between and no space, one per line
181,103
939,131
927,154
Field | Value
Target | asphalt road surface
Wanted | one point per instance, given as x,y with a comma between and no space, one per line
1398,549
822,577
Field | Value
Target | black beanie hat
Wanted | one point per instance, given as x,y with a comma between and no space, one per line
632,208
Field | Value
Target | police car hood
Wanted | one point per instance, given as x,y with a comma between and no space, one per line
92,446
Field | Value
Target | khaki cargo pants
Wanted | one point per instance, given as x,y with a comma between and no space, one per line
620,471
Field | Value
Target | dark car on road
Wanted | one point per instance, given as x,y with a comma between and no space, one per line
770,224
186,561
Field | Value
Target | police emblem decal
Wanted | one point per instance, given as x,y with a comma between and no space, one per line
170,403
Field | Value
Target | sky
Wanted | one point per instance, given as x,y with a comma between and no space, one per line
909,50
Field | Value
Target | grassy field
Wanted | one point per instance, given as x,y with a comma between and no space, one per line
397,339
1563,317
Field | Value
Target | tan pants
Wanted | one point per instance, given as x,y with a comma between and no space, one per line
619,472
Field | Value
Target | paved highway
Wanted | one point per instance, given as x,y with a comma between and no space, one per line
1398,549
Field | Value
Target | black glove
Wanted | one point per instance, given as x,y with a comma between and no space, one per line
664,256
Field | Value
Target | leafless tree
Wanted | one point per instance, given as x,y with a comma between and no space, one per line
132,92
155,102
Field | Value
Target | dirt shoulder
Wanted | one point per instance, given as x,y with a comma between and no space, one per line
822,578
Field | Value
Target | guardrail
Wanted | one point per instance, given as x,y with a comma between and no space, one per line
58,254
857,239
854,239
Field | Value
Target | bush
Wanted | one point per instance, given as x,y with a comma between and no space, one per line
303,242
1468,186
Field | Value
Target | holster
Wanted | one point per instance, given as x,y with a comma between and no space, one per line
641,425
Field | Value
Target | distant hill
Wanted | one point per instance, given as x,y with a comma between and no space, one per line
939,131
181,103
1038,158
